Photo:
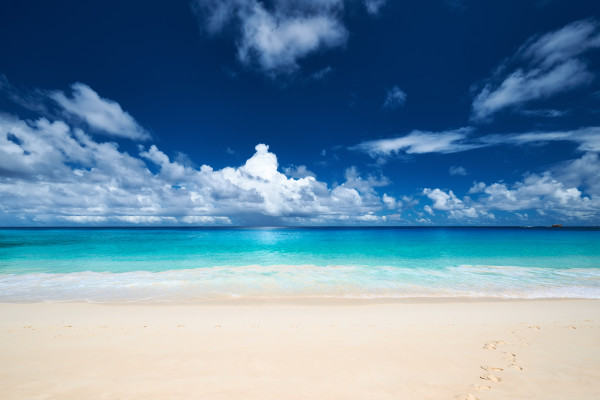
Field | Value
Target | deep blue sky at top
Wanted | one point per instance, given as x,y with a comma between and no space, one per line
189,89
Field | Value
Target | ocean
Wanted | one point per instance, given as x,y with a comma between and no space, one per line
198,264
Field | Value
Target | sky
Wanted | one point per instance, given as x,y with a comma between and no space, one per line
299,113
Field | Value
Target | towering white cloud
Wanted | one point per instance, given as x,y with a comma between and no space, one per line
51,173
543,67
100,114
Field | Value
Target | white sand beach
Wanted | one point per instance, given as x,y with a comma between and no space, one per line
318,349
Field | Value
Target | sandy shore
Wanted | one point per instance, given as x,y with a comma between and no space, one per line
302,350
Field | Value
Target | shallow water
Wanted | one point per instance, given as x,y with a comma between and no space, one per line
195,264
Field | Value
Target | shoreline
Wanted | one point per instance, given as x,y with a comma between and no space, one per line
316,301
531,349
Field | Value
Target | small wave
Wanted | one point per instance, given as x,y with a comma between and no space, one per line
305,281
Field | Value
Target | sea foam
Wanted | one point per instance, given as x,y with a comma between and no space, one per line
302,281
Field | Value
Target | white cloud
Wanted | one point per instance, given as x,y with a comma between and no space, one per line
394,98
547,113
374,6
537,192
51,173
457,171
463,139
389,201
456,208
420,142
322,73
569,191
543,67
587,138
276,38
583,172
100,114
298,172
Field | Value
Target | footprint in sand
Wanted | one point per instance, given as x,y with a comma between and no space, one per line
217,326
512,361
520,338
481,387
488,368
534,327
467,396
492,344
491,377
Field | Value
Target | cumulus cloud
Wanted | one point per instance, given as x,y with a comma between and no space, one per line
537,192
100,114
390,201
455,207
543,67
420,142
51,173
394,98
568,191
583,172
298,171
274,38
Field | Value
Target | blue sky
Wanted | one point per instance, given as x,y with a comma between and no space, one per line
300,112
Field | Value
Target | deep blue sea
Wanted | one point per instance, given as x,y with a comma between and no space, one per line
132,265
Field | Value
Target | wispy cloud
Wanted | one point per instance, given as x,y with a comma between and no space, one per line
546,113
394,98
322,73
457,171
420,142
543,67
374,6
463,139
588,139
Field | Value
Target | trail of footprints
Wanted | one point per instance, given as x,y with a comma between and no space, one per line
491,373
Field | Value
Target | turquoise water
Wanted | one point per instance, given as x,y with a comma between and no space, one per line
196,264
